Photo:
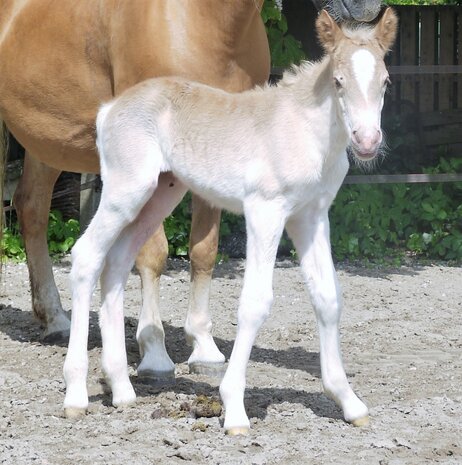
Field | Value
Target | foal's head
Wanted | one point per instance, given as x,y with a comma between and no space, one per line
359,76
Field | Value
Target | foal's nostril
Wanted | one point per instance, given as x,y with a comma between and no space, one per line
370,135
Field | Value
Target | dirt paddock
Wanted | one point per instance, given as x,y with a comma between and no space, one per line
402,346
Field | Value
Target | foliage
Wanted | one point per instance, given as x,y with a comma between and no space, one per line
376,221
372,222
285,49
12,244
423,2
177,227
61,236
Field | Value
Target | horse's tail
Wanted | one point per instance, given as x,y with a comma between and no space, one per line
3,153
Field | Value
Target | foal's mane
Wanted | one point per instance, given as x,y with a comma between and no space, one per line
291,75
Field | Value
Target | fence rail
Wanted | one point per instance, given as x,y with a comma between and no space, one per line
427,57
402,178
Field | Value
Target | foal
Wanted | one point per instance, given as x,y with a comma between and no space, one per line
276,154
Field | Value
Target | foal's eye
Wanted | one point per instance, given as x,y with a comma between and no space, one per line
338,81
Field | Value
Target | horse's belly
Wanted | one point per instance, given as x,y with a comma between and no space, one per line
51,84
58,144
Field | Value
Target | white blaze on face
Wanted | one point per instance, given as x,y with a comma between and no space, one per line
364,69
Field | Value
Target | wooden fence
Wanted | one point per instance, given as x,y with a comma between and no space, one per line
426,62
426,70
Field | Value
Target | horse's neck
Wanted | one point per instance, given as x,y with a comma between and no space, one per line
220,42
230,20
8,10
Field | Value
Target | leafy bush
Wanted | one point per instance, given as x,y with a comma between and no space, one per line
285,49
423,2
177,227
378,221
61,236
12,244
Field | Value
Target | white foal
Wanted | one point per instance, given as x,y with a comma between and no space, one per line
277,154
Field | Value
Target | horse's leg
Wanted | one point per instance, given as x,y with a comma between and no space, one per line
118,265
32,201
206,357
310,234
156,366
264,224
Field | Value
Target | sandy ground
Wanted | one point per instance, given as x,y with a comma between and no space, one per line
402,345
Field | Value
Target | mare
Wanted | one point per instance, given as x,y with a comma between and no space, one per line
59,61
277,154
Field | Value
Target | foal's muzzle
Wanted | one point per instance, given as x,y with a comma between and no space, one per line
365,143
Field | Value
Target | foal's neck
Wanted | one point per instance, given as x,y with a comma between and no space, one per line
313,95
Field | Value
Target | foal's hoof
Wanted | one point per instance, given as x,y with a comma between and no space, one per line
363,421
238,431
210,369
58,337
73,413
157,378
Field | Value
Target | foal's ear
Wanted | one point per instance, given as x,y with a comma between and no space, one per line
386,29
328,31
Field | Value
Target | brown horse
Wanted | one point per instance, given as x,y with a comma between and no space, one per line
60,60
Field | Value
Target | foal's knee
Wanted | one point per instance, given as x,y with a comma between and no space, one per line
255,308
83,267
327,302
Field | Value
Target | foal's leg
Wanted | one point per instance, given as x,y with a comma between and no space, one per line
264,223
156,366
205,358
119,262
32,201
121,202
310,234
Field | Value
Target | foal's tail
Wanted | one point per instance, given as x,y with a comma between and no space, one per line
3,152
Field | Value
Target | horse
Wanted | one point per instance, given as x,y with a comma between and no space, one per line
58,62
276,154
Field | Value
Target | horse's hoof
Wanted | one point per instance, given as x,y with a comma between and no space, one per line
58,337
363,421
210,369
157,378
73,413
238,431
